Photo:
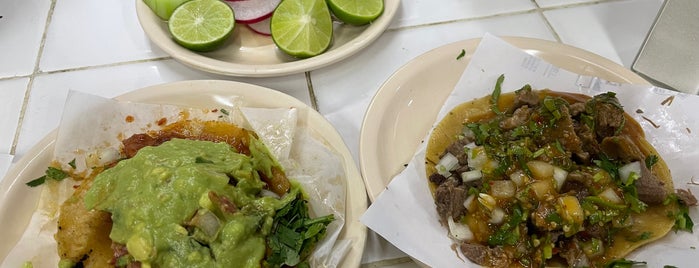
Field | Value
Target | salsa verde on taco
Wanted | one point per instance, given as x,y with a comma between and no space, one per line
536,177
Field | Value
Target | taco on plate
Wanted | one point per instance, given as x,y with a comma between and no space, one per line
538,177
194,194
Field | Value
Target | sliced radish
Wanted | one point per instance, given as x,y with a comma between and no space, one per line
261,27
253,11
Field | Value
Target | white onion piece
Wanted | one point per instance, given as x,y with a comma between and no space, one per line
519,178
560,176
628,169
610,195
540,170
269,193
447,163
471,175
497,216
459,231
477,158
471,145
502,189
487,201
469,201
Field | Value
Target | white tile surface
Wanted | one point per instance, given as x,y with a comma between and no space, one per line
344,102
558,3
614,30
11,98
21,27
77,39
52,89
416,12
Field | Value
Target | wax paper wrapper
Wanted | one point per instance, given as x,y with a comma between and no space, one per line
91,131
405,213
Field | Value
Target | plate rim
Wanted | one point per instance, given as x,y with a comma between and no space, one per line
375,112
356,200
194,60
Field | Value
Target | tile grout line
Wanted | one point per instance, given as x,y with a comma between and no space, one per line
506,14
27,92
104,65
547,22
311,93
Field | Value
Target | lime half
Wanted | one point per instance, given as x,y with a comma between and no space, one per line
202,25
302,28
356,12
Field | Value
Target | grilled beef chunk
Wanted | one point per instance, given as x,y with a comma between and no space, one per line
608,114
590,147
540,217
577,108
437,178
686,197
518,118
573,254
575,187
457,149
484,255
525,96
621,148
650,189
449,198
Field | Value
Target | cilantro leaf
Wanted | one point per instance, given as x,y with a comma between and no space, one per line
461,55
495,97
36,182
72,163
623,263
295,234
651,160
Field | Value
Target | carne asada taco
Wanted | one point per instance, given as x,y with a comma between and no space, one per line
534,178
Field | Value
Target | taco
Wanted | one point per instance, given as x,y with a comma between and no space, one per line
193,194
538,177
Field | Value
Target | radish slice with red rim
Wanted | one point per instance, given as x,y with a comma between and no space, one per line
253,11
261,27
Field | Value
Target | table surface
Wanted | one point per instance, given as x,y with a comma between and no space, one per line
48,47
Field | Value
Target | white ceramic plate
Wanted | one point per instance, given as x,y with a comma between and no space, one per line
250,54
18,201
405,107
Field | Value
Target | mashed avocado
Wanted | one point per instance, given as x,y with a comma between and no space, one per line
163,211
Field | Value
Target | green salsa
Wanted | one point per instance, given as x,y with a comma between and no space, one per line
163,211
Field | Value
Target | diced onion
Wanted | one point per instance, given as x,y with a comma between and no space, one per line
560,176
487,201
446,164
572,211
519,178
497,216
502,189
477,157
542,188
471,145
540,170
626,171
610,196
471,175
459,231
469,201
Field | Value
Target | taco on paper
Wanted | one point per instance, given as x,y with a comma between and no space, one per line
194,194
538,177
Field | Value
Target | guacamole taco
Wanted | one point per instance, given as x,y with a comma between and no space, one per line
538,177
150,185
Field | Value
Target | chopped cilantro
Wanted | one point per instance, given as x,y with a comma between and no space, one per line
36,182
72,163
50,173
640,237
623,263
461,55
294,234
651,160
495,97
224,111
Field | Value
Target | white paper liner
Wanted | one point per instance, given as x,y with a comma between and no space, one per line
94,126
405,214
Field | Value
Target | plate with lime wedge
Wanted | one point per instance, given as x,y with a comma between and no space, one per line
276,38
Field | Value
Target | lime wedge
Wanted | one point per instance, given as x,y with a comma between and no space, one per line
302,28
356,12
202,25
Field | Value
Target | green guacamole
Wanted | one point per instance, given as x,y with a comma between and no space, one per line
155,197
